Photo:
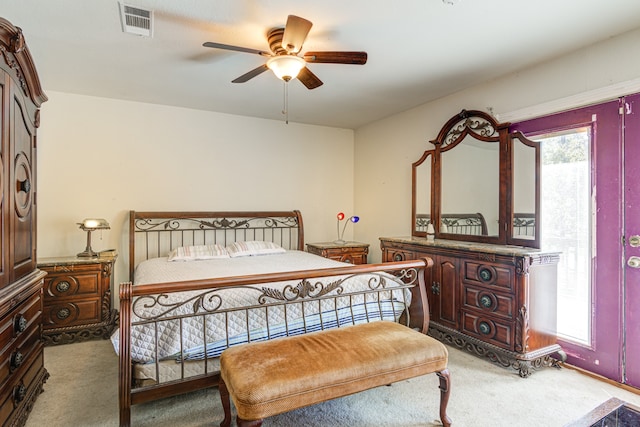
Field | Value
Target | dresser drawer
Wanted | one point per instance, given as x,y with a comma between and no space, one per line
488,302
69,281
490,330
20,322
487,274
78,312
18,387
391,255
20,344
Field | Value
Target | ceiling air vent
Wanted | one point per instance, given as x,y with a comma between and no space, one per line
136,21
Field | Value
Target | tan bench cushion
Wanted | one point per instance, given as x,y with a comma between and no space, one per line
272,377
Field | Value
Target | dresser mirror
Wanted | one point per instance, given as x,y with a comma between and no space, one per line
525,191
462,193
478,184
421,176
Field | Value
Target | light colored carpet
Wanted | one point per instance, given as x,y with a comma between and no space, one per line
83,391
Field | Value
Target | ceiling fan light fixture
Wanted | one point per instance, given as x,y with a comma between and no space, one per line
286,67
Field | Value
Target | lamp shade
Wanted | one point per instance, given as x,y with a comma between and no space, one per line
286,67
94,224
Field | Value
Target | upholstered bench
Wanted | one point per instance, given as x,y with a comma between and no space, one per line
272,377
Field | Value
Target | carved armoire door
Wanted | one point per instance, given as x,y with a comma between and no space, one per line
22,218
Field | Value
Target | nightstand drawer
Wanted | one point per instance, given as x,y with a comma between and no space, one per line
71,313
64,284
351,252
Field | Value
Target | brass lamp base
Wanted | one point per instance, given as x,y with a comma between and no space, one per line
88,252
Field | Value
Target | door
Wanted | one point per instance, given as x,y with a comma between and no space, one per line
586,225
632,245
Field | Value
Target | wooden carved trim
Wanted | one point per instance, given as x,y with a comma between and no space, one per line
487,257
18,58
522,330
524,363
522,265
107,268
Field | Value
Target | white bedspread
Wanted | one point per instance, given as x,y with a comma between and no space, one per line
242,325
159,270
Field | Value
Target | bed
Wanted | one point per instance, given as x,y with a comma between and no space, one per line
201,282
524,225
468,223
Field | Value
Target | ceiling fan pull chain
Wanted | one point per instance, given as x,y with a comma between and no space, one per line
285,111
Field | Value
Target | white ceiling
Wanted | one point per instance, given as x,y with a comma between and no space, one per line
419,50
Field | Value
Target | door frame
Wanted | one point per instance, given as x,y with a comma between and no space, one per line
604,354
631,169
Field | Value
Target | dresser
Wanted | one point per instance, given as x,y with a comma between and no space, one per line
77,298
495,301
22,372
351,252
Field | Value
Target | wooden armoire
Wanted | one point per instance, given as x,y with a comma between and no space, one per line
22,372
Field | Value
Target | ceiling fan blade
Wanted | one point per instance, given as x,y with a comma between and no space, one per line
235,48
358,58
307,78
251,74
295,33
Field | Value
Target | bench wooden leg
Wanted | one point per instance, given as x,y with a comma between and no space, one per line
445,391
226,406
226,403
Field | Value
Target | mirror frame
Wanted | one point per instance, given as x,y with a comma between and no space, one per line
429,154
482,127
511,238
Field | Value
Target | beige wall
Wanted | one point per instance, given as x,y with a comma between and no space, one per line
385,150
102,157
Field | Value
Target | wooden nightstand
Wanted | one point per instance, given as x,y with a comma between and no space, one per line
351,252
77,298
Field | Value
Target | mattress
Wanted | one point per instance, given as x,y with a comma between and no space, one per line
194,325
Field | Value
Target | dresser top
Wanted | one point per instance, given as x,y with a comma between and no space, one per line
507,250
69,260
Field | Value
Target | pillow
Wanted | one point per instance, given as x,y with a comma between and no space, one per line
254,247
194,253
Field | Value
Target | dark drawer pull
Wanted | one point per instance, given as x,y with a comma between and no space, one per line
485,301
19,393
16,360
63,313
20,323
485,274
484,328
398,257
63,286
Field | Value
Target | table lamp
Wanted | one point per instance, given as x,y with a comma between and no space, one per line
89,225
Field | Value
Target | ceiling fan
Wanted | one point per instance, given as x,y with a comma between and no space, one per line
285,44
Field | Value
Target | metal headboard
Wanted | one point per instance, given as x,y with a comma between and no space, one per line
155,234
471,223
524,224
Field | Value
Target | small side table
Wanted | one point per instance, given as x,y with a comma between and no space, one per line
77,298
351,252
